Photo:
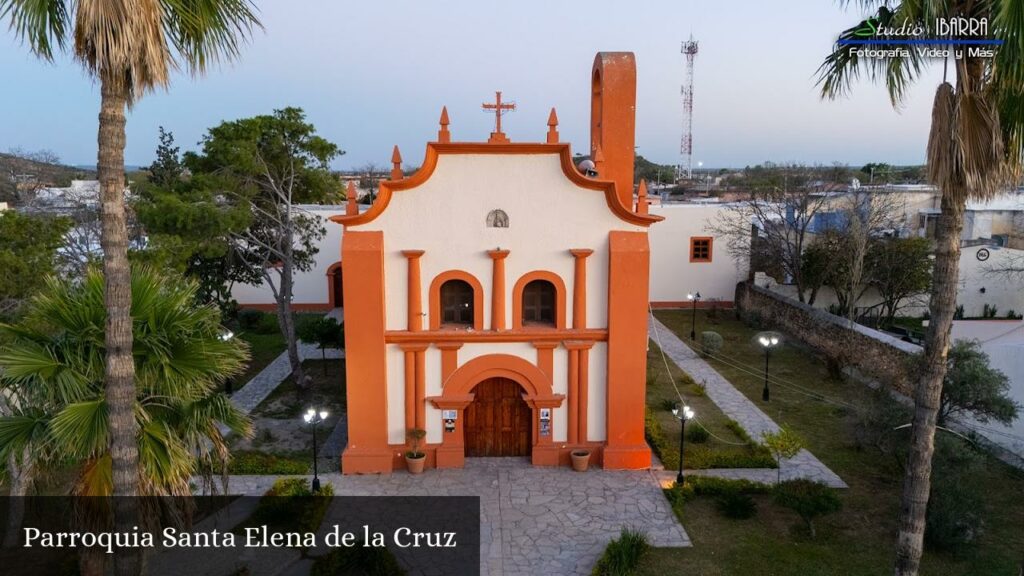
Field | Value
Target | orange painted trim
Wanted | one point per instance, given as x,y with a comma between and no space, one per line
523,335
330,284
533,380
498,288
711,246
435,149
415,290
517,298
435,298
701,305
579,287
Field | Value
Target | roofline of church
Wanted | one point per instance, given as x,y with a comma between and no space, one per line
436,149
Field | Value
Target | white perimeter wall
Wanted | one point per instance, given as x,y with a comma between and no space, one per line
310,287
1003,341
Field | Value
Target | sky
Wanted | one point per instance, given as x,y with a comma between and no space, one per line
374,74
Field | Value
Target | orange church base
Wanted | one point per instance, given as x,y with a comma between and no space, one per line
439,456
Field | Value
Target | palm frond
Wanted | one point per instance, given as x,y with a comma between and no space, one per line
206,32
81,429
43,24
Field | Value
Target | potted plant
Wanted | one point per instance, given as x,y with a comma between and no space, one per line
415,458
580,459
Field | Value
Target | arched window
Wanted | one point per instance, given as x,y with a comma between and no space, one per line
539,303
457,303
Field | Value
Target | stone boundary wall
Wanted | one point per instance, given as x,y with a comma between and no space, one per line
845,343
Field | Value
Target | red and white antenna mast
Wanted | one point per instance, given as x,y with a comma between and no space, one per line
686,147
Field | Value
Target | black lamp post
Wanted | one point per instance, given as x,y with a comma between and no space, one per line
768,341
313,417
683,413
693,316
229,382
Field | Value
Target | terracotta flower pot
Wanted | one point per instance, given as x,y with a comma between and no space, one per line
415,464
580,460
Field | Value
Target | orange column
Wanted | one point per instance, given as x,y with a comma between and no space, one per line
573,394
498,289
421,386
415,291
449,359
584,385
410,387
628,273
579,361
579,288
366,366
546,357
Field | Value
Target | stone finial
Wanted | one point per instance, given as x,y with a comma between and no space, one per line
353,205
396,164
444,135
552,127
641,197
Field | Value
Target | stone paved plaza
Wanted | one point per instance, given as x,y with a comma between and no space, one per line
533,520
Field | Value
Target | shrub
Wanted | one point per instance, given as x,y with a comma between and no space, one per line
809,499
710,343
739,431
658,442
876,421
268,325
249,319
358,560
782,444
736,505
953,520
623,554
251,462
290,506
700,389
715,486
697,433
668,404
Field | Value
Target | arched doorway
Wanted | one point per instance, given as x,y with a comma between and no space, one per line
498,421
334,287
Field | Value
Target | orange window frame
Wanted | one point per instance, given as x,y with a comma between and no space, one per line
694,241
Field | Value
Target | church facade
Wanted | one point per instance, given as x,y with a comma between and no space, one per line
497,298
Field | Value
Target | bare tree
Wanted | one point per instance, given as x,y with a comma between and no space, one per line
864,216
771,228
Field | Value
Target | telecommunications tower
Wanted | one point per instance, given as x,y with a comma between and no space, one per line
686,147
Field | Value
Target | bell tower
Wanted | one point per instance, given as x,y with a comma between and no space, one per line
613,120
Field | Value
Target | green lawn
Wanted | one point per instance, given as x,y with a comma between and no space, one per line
859,539
723,449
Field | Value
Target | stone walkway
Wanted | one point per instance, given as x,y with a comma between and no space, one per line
262,384
735,405
533,520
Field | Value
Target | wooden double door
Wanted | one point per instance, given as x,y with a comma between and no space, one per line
498,422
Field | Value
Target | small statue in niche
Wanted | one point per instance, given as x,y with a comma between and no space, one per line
497,219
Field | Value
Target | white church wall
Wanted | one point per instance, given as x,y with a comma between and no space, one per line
597,390
548,215
673,276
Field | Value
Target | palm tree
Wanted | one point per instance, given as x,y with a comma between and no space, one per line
130,47
54,382
974,149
